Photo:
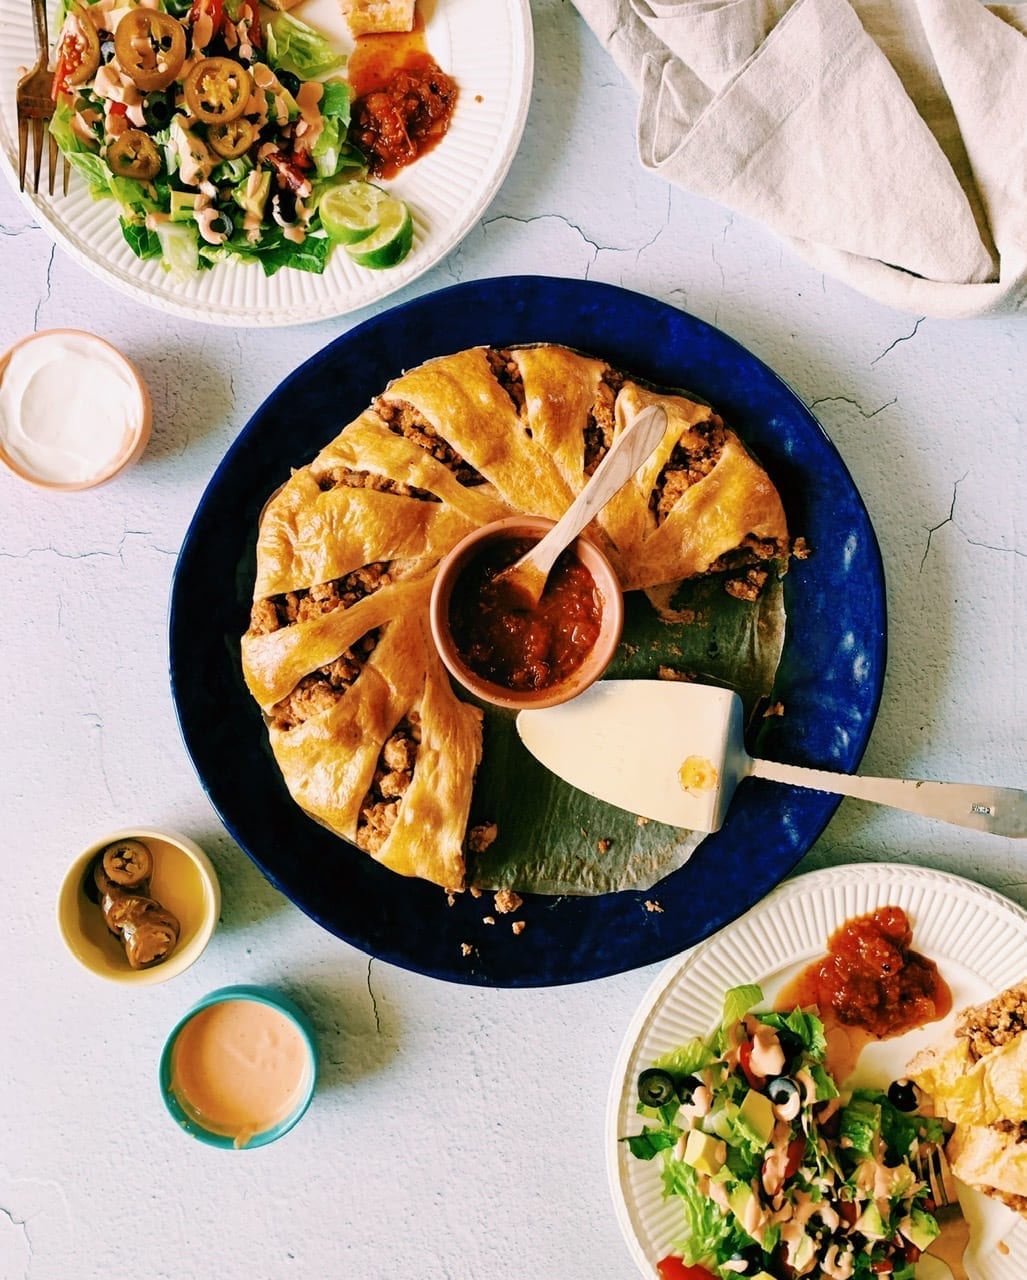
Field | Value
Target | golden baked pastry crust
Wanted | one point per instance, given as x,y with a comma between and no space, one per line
368,733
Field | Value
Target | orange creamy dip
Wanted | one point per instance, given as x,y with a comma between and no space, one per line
239,1068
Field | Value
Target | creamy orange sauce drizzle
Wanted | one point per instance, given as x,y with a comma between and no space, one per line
239,1068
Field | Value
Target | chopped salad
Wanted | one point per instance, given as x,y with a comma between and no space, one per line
777,1173
218,128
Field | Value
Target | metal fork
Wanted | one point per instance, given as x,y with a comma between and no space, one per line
36,106
950,1246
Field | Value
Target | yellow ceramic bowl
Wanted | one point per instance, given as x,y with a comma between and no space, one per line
183,880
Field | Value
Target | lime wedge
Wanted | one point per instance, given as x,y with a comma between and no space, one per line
351,211
390,242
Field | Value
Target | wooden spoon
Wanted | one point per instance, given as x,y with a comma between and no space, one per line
527,576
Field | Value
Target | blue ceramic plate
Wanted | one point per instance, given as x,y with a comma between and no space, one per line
830,677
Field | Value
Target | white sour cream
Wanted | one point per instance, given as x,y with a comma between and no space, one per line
69,407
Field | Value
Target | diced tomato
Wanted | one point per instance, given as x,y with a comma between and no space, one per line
744,1056
910,1252
673,1268
69,59
214,9
118,109
60,85
251,10
796,1150
883,1268
848,1212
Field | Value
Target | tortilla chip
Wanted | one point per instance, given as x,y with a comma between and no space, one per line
988,1159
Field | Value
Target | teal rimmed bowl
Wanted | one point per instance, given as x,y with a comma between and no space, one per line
188,1120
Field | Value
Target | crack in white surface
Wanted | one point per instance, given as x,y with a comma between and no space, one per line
949,519
989,546
558,217
871,413
49,289
117,554
905,338
22,1224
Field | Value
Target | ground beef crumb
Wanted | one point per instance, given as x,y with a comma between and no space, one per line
481,836
664,672
263,617
747,586
518,926
466,949
450,899
775,709
488,919
604,845
507,901
652,905
801,549
475,891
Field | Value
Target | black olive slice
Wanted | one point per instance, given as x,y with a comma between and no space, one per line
656,1087
902,1095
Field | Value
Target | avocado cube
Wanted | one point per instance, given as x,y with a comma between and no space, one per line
705,1153
920,1229
741,1198
183,205
803,1254
757,1112
870,1223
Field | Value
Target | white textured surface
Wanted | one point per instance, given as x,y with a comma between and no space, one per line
458,1132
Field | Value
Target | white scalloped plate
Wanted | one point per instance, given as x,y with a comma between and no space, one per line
977,938
486,45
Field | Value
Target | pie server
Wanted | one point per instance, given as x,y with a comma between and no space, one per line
674,752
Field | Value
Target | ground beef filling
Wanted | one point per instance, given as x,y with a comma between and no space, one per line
392,777
404,420
747,567
311,602
344,478
507,373
599,427
692,458
321,689
994,1024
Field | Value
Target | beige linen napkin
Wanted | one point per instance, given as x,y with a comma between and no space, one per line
885,139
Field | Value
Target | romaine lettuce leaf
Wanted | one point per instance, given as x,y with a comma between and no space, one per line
687,1059
708,1227
293,46
738,1001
